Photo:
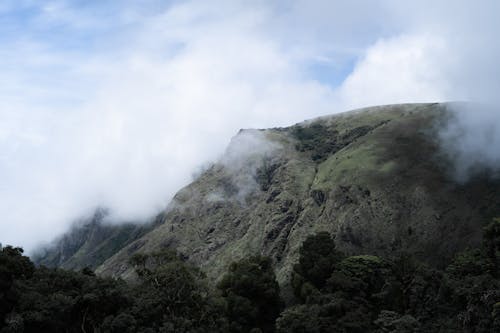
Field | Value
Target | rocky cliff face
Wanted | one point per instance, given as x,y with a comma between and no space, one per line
375,178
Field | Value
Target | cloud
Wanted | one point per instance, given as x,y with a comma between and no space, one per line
469,65
402,69
471,139
247,152
117,105
152,111
447,53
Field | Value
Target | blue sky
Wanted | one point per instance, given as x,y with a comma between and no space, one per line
118,103
44,41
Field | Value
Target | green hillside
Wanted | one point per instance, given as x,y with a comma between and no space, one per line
374,178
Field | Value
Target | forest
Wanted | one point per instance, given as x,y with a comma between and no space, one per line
332,293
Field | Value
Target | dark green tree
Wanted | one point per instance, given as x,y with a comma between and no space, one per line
252,295
172,296
491,244
13,266
317,259
300,319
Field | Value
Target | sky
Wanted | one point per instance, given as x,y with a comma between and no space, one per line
117,104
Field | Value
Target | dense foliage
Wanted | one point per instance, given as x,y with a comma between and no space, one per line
323,141
169,296
334,293
252,295
399,294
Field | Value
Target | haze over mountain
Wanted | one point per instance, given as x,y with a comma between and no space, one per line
117,105
192,166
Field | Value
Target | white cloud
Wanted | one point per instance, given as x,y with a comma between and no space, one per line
117,106
402,69
161,106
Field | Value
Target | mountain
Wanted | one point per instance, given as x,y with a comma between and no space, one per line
89,242
375,178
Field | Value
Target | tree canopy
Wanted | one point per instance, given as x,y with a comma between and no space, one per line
334,293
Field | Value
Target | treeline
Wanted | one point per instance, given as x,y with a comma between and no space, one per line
334,293
169,295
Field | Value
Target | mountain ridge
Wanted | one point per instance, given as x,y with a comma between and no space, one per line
375,178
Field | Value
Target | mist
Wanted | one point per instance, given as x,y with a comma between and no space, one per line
107,105
469,61
470,139
246,153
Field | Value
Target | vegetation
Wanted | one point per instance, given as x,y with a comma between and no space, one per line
322,141
335,293
318,139
399,294
252,295
90,242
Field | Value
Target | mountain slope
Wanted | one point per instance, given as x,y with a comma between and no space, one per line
89,243
374,178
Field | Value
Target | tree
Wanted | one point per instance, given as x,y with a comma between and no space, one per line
252,295
172,296
317,259
491,243
300,319
13,266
